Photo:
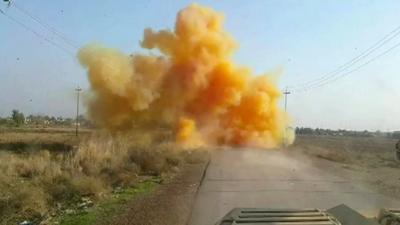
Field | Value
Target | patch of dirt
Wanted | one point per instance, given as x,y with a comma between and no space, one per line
170,204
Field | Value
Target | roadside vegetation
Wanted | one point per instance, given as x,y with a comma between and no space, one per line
106,208
39,185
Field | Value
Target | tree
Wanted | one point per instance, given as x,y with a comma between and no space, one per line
18,117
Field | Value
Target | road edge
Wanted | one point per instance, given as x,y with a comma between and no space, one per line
204,173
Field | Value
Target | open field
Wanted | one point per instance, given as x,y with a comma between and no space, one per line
31,141
48,177
371,151
367,158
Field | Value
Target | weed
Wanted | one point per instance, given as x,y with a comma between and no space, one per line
106,208
33,183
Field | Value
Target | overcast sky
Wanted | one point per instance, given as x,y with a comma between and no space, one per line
308,39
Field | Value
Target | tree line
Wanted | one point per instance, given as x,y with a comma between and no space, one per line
344,132
18,119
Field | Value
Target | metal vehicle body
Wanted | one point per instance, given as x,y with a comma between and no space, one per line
339,215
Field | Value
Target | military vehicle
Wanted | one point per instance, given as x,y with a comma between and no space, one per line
339,215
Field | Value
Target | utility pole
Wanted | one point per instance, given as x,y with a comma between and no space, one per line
78,90
286,93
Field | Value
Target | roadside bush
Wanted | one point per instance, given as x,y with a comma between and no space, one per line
33,183
60,188
22,201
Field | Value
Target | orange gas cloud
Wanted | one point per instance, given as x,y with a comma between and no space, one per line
192,86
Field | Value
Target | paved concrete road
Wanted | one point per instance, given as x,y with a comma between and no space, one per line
278,179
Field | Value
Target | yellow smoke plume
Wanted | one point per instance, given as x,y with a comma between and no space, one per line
192,86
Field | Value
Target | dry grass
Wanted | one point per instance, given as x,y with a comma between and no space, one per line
33,183
370,159
365,151
37,137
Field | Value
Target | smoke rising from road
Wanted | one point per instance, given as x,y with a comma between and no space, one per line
192,87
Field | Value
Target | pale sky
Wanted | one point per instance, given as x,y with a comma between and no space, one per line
307,39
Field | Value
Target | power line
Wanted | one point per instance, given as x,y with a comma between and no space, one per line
36,33
46,26
358,58
352,62
376,46
354,70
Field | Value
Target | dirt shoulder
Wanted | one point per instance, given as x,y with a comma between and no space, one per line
170,204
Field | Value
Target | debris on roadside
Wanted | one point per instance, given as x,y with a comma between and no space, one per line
26,222
85,203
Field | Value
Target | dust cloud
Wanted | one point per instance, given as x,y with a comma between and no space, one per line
192,86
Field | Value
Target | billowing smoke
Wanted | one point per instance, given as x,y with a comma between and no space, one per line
192,87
